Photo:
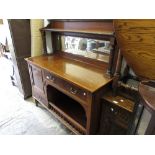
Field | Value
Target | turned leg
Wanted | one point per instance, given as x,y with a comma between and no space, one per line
49,106
36,102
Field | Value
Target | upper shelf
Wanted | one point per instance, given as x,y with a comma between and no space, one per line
110,33
100,27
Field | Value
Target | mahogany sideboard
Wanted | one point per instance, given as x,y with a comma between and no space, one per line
71,90
71,81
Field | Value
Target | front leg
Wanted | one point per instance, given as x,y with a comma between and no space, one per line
36,102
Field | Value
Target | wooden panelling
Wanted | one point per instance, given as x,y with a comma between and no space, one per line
137,43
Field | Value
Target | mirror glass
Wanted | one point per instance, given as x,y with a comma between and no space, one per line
91,48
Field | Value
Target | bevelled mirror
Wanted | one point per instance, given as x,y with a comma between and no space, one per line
86,47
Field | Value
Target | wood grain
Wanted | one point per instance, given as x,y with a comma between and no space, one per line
137,43
119,101
84,25
80,74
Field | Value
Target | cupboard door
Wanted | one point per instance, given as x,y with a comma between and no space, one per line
114,120
37,82
38,90
37,78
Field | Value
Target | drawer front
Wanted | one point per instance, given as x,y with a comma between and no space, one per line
118,115
74,90
70,88
50,77
114,120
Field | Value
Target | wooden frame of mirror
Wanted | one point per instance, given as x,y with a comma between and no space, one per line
99,30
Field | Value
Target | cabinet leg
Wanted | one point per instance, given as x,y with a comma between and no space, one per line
36,102
49,106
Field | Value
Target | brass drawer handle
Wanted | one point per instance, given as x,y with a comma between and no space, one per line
50,78
73,91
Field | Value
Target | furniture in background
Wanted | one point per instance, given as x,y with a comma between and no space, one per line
136,42
1,49
6,54
71,82
147,121
20,48
116,114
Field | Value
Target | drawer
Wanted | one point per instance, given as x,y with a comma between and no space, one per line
53,79
75,91
118,115
49,76
62,84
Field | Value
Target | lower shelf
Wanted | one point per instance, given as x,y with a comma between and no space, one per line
66,123
68,108
67,120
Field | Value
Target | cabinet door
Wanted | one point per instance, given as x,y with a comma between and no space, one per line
37,79
114,121
38,90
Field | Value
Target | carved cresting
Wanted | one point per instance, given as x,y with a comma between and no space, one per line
136,40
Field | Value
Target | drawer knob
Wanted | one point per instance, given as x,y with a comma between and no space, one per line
112,109
84,94
50,78
47,77
73,91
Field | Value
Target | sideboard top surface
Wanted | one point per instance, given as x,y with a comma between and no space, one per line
79,73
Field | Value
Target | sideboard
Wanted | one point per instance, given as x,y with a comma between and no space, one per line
71,81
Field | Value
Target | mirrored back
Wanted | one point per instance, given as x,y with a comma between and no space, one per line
86,47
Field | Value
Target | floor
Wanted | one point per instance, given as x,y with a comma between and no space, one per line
22,117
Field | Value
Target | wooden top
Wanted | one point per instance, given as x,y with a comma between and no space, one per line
147,92
136,41
119,101
79,73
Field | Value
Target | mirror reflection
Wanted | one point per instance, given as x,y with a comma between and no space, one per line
91,48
